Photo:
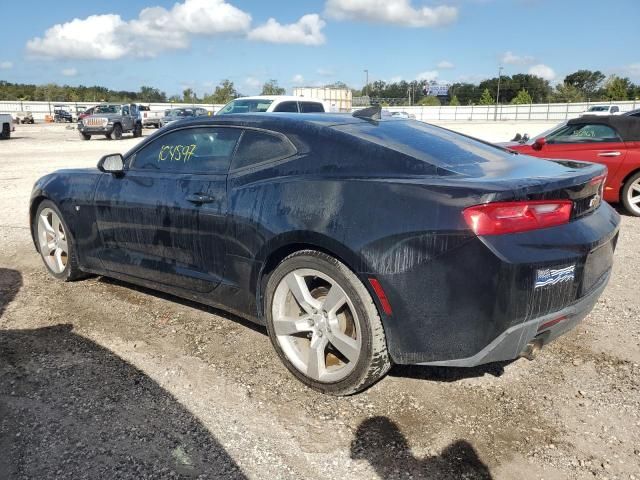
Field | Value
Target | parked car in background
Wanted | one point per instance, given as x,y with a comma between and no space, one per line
613,141
274,103
150,118
62,113
24,117
357,241
600,110
176,114
111,120
6,126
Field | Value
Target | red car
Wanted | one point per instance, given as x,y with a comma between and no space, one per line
613,141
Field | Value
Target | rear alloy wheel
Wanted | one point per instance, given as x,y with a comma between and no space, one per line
55,244
631,195
117,131
324,325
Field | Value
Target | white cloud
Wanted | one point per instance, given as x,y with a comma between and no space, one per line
543,71
156,29
297,79
307,31
6,65
428,76
445,65
395,79
397,12
633,70
510,58
69,72
252,82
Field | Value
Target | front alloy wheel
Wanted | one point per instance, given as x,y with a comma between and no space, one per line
631,195
324,325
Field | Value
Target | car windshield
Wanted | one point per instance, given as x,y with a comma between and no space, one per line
598,109
246,106
108,109
179,112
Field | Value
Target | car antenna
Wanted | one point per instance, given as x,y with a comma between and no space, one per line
369,113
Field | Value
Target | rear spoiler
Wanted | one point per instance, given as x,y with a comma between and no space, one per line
369,113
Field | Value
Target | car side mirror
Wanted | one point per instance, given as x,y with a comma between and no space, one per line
112,163
539,143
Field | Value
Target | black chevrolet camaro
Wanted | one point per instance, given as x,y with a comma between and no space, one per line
358,242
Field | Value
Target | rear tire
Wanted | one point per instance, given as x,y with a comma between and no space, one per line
55,243
338,350
137,130
631,195
6,131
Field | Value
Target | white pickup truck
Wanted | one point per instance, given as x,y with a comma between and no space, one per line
148,117
6,125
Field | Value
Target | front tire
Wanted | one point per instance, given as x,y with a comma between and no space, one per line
85,136
55,243
631,195
137,131
117,131
324,325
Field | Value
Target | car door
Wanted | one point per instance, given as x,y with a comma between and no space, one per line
591,142
165,218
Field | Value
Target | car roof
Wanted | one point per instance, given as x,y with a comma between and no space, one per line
280,98
628,127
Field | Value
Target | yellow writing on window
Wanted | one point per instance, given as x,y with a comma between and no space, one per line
176,153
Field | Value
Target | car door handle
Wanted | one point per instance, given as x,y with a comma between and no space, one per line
200,198
609,154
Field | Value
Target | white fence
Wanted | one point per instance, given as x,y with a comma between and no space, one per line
483,113
40,109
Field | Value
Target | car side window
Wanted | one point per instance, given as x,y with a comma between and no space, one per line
584,133
311,107
287,107
257,147
615,110
125,110
189,150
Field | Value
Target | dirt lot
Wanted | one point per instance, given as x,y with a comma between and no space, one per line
100,379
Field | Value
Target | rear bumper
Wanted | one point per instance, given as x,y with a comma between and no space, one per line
513,342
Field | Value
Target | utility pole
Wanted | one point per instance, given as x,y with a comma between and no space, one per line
366,84
495,115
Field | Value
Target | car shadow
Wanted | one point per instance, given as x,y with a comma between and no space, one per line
10,284
448,374
70,408
379,441
187,303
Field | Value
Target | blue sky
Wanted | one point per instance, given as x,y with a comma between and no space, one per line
196,43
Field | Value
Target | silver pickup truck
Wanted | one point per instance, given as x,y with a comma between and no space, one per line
111,120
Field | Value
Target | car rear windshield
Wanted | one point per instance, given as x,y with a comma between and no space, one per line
246,106
434,145
107,109
599,109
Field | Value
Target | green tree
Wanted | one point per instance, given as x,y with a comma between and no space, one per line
224,93
567,93
617,88
586,81
486,98
189,96
429,101
454,101
522,98
272,88
150,94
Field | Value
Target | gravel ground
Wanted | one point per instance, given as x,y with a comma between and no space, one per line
101,379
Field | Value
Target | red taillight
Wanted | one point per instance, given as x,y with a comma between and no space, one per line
511,217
